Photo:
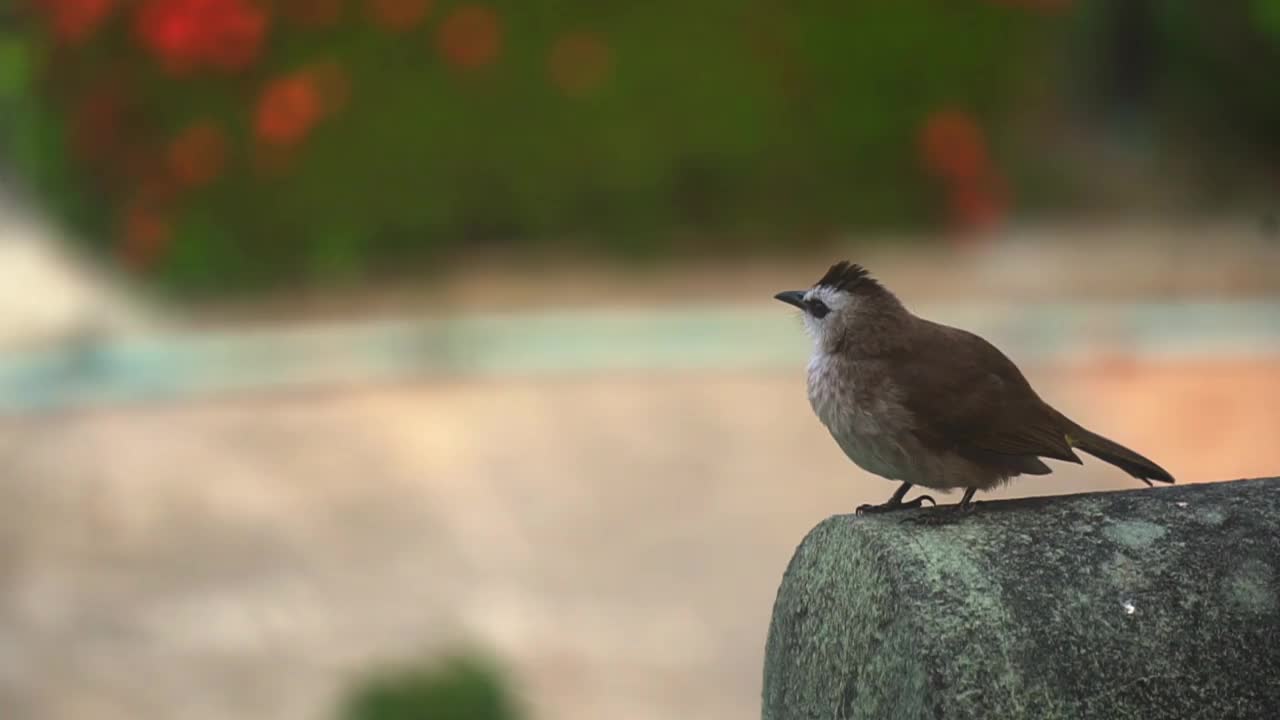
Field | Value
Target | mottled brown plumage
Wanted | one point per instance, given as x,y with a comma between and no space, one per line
928,404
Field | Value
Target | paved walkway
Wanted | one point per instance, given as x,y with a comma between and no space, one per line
616,533
618,539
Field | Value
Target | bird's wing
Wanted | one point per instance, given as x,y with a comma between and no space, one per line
966,395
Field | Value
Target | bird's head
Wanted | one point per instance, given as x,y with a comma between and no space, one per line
846,303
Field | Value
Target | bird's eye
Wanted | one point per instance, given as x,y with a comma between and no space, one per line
818,309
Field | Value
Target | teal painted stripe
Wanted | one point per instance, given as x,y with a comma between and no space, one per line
178,365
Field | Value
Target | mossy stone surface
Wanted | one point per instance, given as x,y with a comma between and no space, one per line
1142,605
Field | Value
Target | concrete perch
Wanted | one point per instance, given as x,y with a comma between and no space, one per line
1146,604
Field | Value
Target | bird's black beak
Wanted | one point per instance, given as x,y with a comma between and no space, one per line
791,297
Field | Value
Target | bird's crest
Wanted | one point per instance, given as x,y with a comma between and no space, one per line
848,277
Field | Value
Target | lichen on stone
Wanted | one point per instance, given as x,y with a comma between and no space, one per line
1111,605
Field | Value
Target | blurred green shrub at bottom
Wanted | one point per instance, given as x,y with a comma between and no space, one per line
456,688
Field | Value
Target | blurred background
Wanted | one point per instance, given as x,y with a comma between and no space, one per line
417,358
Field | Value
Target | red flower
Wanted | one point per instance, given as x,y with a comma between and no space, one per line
954,149
952,146
73,21
579,63
288,109
471,37
197,154
291,105
397,15
188,35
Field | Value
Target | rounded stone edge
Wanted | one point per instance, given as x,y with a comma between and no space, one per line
842,563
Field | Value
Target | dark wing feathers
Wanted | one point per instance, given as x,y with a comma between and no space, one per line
967,396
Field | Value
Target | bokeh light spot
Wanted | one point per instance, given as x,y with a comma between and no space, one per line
470,37
288,109
952,146
580,63
187,35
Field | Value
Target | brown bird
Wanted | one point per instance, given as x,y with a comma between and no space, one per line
927,404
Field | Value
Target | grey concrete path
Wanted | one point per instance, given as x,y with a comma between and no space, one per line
617,538
606,499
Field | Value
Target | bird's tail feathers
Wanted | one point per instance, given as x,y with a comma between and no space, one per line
1116,454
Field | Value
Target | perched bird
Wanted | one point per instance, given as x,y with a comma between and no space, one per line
926,404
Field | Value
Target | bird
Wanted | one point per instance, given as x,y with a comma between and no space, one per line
927,404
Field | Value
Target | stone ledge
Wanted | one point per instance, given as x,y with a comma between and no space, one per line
1151,604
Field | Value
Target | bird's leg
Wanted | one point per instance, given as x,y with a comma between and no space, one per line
966,502
895,502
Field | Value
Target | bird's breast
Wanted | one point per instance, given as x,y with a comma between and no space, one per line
853,397
863,410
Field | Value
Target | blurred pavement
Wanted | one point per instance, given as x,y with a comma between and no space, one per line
618,539
617,535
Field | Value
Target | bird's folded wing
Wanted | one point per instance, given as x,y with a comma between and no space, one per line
967,396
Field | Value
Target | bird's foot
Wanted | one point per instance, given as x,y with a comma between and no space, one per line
891,506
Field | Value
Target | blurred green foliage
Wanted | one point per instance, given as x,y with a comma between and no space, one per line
1222,62
757,119
357,136
457,688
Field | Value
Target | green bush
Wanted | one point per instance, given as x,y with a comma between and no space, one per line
223,144
454,689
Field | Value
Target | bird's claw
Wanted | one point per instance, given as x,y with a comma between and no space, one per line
891,506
